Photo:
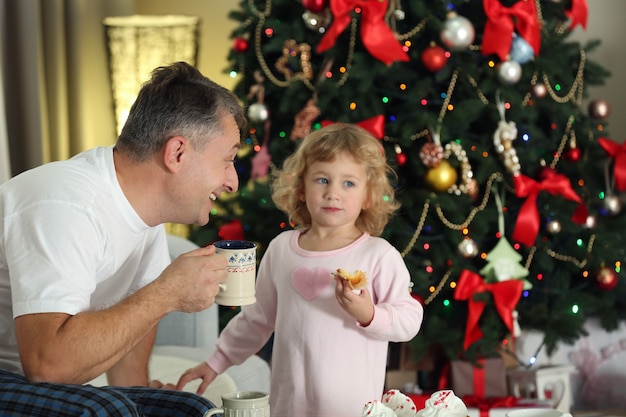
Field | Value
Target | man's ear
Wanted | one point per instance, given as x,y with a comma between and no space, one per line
173,152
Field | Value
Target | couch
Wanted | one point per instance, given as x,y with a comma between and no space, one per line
183,340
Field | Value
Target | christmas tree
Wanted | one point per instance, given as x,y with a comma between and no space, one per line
511,208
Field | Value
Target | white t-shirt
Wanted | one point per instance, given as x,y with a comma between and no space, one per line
69,242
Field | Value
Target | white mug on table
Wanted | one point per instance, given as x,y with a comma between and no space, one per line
243,404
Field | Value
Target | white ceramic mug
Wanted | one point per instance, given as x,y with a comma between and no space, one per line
243,404
536,412
238,289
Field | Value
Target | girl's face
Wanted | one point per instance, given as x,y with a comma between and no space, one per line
335,192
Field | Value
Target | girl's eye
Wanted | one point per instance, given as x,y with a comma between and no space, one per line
321,181
348,184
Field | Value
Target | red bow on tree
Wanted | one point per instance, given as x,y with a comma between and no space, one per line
506,294
618,152
501,21
578,14
527,225
377,37
231,231
375,125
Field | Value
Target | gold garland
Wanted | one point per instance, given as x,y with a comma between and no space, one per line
418,229
575,93
460,226
440,286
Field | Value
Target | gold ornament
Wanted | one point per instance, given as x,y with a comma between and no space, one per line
441,177
293,49
303,120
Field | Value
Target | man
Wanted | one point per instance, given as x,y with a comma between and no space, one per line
84,275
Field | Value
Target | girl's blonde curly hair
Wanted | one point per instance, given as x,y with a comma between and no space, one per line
324,145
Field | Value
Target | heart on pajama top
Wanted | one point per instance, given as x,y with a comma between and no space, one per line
310,283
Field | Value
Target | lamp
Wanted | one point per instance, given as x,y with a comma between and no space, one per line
136,45
139,43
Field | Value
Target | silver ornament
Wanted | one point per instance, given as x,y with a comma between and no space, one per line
314,21
599,109
458,32
521,51
257,112
509,72
553,227
399,14
468,248
612,205
590,222
540,90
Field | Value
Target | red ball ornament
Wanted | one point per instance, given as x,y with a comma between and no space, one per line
606,279
316,6
240,45
434,58
401,158
573,154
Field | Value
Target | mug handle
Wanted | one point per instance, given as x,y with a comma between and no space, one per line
214,411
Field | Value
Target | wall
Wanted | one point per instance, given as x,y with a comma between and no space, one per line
214,33
606,22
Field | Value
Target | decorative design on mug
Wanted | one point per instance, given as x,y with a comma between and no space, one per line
247,268
242,258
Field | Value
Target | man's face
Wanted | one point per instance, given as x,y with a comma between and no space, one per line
208,173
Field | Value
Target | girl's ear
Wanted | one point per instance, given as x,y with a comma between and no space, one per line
367,203
300,193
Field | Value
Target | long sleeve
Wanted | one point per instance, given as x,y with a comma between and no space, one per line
319,350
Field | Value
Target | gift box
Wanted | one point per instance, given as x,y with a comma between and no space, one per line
485,379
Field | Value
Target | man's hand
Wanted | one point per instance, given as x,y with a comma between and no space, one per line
193,279
358,305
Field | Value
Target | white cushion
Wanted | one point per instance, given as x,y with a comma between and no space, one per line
168,368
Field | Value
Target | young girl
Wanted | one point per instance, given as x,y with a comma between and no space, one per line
330,341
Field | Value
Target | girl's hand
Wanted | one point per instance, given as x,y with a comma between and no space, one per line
201,371
358,305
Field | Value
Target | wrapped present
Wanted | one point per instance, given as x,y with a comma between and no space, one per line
485,379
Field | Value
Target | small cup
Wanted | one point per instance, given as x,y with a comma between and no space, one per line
536,412
243,404
238,289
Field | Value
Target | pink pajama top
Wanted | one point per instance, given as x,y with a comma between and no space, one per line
323,362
